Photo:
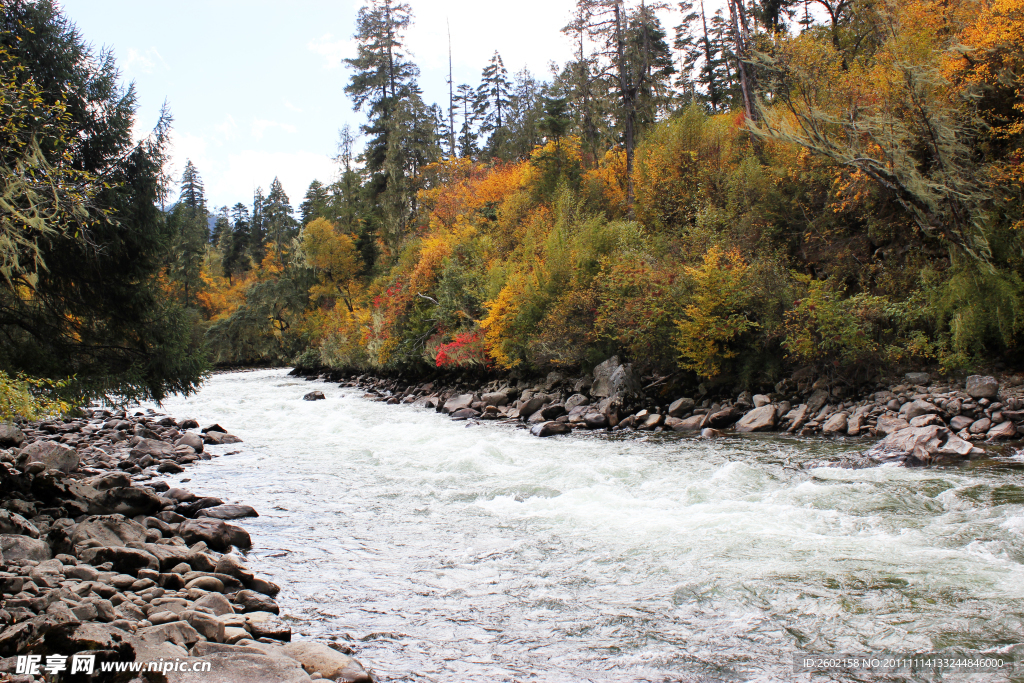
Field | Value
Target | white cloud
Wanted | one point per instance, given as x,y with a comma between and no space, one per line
248,169
228,128
144,62
292,107
332,49
260,126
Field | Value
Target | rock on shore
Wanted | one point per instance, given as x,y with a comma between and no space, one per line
614,398
98,557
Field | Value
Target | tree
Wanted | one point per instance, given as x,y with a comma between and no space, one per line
257,228
236,248
279,218
316,203
333,257
95,311
493,95
466,100
190,222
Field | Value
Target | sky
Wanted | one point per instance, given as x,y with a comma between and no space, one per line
257,88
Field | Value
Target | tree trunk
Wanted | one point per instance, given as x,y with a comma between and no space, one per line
628,99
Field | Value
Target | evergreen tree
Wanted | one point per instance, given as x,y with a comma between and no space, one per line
689,44
257,228
316,203
221,235
493,96
648,50
525,113
279,219
95,311
466,101
236,248
191,224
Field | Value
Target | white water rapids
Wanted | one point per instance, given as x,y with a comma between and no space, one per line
454,552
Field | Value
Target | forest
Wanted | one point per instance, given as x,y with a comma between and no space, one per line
765,186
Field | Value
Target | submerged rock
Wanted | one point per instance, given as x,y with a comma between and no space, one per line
314,396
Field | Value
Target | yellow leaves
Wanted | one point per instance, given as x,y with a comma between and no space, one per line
714,316
498,325
609,181
30,398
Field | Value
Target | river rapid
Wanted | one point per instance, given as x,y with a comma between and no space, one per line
448,551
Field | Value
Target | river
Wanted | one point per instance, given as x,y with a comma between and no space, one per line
448,551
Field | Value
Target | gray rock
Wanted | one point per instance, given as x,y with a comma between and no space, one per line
958,422
837,424
761,400
552,380
798,417
888,425
191,439
215,602
680,407
54,455
981,426
240,667
553,411
180,633
689,424
329,663
495,398
575,401
595,421
464,414
128,500
1004,430
232,565
13,523
152,447
982,386
611,378
125,560
709,433
927,419
529,407
918,378
817,400
109,531
11,436
207,625
916,408
220,438
217,534
757,420
725,417
23,548
926,445
457,403
228,512
251,601
314,396
650,422
550,429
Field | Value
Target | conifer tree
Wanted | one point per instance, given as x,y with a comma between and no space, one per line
316,203
493,96
236,248
191,225
279,218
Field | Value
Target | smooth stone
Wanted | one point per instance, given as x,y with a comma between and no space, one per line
759,419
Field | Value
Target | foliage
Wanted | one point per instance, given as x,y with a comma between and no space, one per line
31,399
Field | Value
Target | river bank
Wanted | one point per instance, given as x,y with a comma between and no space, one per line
102,558
920,420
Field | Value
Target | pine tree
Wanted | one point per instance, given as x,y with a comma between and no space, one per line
316,203
466,101
221,235
525,113
236,249
257,228
688,42
493,95
279,219
191,223
652,57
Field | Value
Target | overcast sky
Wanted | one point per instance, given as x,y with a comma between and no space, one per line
257,88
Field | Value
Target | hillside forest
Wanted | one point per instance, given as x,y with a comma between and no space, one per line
767,185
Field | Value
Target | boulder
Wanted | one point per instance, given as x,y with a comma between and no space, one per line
650,422
757,420
232,566
13,523
167,555
464,414
239,667
272,628
887,425
917,408
23,548
191,439
613,378
797,417
495,398
918,378
128,500
220,438
1003,430
817,400
689,424
595,421
216,603
982,386
927,419
854,424
124,560
251,601
575,401
152,447
980,426
726,417
958,422
922,444
529,407
326,661
457,403
228,512
217,534
314,396
550,429
681,406
11,436
553,411
836,424
760,400
181,633
709,433
54,455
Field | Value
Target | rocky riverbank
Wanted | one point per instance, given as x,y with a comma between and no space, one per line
921,420
101,558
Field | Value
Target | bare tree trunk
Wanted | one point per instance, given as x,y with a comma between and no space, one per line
742,32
